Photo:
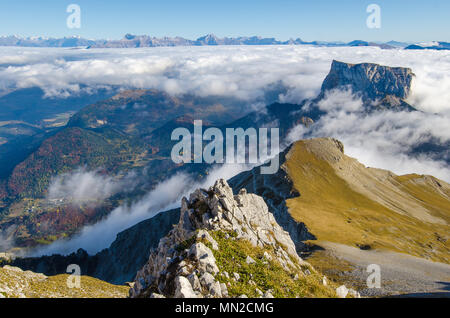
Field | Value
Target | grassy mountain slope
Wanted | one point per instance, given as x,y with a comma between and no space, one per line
265,275
15,283
342,201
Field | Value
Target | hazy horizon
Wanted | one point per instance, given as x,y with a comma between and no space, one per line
324,20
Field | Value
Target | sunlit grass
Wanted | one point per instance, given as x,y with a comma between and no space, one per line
334,212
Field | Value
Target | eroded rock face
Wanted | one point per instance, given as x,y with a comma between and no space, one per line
379,86
184,288
375,81
275,189
183,266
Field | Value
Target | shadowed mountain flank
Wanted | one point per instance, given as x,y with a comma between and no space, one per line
227,245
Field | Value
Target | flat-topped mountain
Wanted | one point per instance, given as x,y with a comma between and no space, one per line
372,81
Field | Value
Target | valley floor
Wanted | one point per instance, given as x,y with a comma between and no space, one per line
401,274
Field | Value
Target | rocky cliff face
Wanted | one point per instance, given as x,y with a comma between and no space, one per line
275,189
130,250
226,245
390,85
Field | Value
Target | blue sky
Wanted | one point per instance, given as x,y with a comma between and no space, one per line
403,20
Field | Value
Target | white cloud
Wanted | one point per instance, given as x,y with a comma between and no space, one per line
82,186
166,195
338,100
238,71
381,139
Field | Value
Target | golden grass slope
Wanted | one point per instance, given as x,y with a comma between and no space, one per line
265,275
342,201
15,283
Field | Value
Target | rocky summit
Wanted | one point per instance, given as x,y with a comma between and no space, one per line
227,245
392,85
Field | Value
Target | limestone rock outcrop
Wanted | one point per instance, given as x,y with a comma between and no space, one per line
389,86
376,81
184,266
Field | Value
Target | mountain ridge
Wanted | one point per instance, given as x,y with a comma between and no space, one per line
135,41
199,257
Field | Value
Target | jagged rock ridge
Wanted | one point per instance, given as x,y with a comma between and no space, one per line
275,190
184,266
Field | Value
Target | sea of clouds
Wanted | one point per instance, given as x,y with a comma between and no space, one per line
382,140
83,185
238,71
166,195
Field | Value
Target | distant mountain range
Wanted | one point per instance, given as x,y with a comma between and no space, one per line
429,46
136,41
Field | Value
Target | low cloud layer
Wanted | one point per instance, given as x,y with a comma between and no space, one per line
241,71
82,185
381,139
166,195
